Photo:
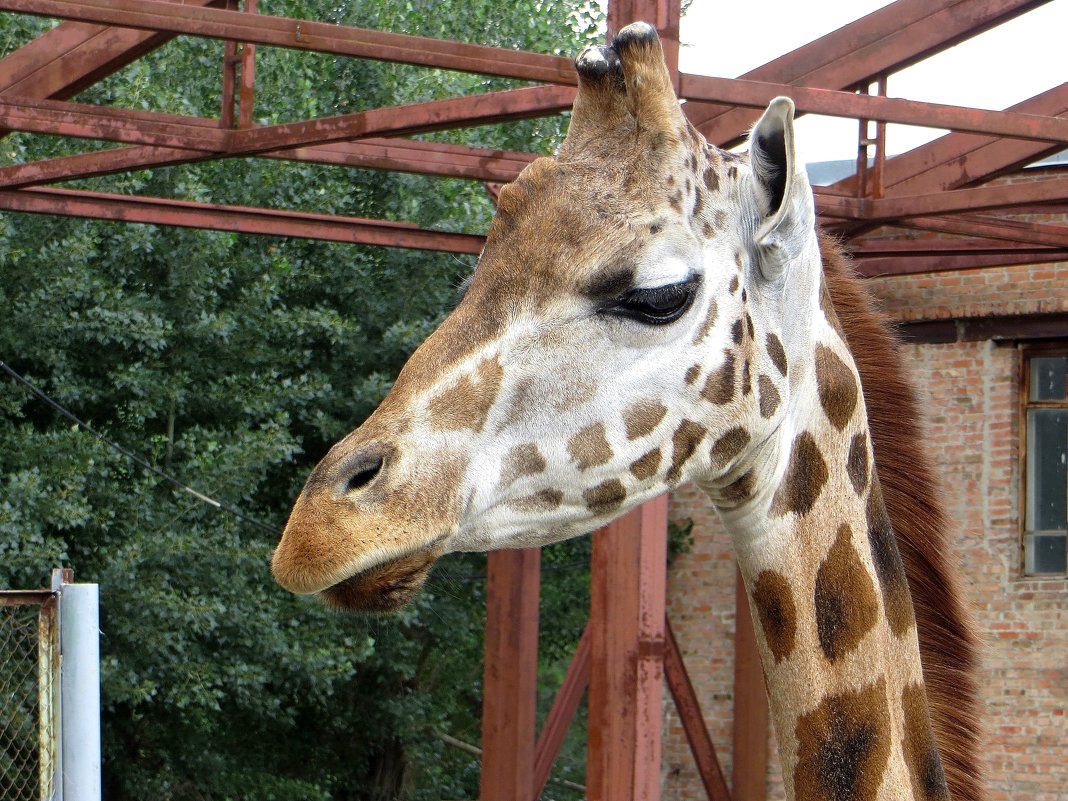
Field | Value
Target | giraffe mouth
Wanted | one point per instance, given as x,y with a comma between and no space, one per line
386,587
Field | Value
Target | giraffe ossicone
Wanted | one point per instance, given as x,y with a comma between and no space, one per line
648,310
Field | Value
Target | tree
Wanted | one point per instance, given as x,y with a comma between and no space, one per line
233,362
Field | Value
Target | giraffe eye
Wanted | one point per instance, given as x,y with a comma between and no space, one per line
656,305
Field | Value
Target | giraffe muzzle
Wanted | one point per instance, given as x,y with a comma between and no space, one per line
369,524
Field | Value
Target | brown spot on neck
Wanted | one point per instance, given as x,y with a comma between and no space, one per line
738,491
777,353
605,497
589,447
711,179
857,462
644,467
804,479
521,460
684,443
888,566
728,446
837,386
706,326
777,612
542,501
737,331
642,417
846,605
843,746
769,396
719,387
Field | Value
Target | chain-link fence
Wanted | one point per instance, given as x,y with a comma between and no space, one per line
28,682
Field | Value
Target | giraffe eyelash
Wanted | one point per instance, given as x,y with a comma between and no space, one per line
659,305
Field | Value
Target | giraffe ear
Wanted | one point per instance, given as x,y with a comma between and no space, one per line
783,195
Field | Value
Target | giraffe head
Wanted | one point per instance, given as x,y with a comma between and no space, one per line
629,326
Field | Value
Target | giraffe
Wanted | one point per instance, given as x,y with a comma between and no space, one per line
648,310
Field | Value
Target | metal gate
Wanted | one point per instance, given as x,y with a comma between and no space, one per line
29,694
50,692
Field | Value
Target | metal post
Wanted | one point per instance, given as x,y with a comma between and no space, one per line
879,167
79,643
863,141
749,776
510,680
627,591
247,90
48,704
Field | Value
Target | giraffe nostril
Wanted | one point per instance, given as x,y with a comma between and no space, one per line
364,475
357,471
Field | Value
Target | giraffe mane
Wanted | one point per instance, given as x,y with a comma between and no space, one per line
948,640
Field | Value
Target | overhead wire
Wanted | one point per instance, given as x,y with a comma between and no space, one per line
133,457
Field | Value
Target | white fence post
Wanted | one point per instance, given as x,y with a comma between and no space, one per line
79,622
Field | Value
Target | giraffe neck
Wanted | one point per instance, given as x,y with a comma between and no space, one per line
835,624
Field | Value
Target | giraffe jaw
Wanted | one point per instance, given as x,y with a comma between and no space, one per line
385,587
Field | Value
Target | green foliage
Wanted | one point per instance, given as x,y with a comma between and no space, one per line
234,362
680,537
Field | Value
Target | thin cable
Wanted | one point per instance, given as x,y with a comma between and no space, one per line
133,457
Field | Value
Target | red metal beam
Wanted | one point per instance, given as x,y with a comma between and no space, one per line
750,737
995,327
959,159
410,155
911,265
757,94
301,34
626,675
434,115
693,721
88,165
376,153
247,92
73,55
872,248
565,704
1050,190
838,206
1015,231
886,40
115,125
198,133
239,219
510,678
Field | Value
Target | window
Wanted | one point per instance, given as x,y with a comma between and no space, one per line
1045,459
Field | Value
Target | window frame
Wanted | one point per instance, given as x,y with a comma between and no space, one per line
1028,351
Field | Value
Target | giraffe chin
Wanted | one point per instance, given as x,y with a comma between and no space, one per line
384,588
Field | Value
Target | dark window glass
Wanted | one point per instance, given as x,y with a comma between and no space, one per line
1046,554
1048,377
1046,462
1047,473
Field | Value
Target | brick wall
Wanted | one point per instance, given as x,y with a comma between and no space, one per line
971,390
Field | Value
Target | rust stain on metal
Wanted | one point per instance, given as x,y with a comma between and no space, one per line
48,667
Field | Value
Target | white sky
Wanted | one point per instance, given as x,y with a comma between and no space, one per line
1010,63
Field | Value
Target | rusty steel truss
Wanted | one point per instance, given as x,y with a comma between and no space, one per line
940,203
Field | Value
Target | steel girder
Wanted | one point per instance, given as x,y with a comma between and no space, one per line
102,36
